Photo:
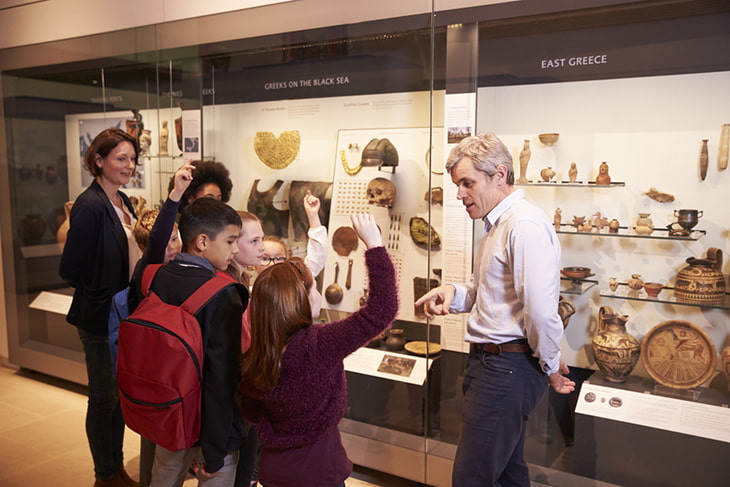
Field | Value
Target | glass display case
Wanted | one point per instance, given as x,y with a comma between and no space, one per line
291,111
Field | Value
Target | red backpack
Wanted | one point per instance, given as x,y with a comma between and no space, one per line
160,365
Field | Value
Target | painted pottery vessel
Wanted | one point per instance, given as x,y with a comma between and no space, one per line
616,352
566,309
702,280
678,354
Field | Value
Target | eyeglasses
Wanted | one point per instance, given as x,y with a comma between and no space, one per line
266,260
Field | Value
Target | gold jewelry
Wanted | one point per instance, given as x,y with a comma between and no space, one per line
277,152
349,170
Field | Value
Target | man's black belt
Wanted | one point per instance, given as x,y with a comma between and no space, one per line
503,348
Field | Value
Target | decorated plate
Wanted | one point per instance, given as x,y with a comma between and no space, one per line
678,354
423,348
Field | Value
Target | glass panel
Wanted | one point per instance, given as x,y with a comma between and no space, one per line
585,88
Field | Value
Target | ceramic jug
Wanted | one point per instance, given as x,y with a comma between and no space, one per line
615,350
566,309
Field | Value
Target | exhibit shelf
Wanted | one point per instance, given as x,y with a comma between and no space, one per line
666,295
575,286
577,184
628,232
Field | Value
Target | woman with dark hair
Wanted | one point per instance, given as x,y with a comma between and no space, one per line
97,261
211,179
293,382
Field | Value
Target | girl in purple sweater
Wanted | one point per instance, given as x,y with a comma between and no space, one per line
293,375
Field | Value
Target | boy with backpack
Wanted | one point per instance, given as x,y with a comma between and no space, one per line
209,230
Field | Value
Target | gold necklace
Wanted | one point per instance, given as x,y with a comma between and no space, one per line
349,170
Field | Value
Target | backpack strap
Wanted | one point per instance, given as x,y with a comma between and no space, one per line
203,294
147,276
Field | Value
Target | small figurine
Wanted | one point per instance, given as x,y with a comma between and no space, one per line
164,137
578,221
613,284
599,222
573,172
603,178
145,141
557,218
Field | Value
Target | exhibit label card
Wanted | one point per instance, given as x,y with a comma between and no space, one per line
388,365
667,413
53,302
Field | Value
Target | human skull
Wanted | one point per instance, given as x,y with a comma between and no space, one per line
381,192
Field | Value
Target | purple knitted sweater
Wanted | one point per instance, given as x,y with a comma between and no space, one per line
311,394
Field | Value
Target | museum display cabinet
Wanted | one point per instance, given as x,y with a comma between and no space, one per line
611,113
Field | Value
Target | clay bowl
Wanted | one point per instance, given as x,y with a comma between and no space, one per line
576,272
653,288
548,139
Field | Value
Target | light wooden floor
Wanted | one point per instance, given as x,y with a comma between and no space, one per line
42,439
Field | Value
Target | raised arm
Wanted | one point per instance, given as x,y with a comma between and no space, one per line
316,256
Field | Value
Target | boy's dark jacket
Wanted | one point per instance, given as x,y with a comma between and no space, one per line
221,427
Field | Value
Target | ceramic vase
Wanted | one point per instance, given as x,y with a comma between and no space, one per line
395,341
703,160
615,350
724,150
525,154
